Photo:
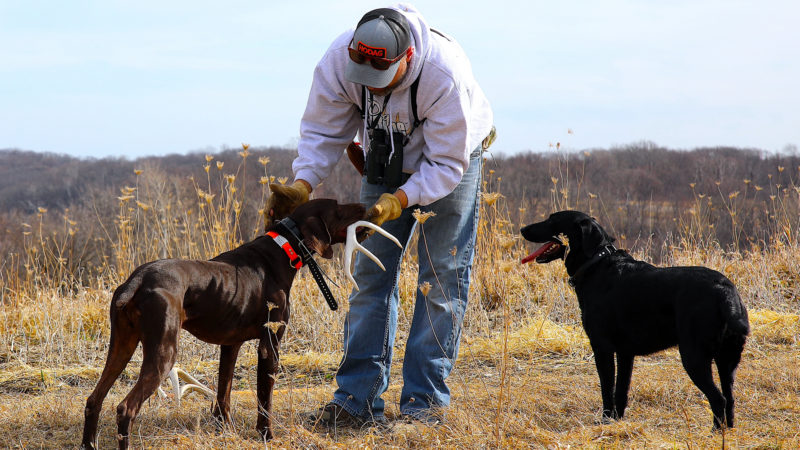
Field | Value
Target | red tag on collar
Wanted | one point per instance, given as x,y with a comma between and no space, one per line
294,260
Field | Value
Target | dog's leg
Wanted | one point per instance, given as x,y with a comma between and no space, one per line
726,374
605,370
698,366
267,368
624,371
159,351
727,360
122,345
227,363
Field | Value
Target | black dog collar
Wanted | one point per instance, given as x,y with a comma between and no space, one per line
601,253
288,227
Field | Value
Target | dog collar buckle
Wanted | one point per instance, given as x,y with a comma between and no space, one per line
294,259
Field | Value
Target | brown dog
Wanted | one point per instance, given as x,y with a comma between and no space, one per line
224,301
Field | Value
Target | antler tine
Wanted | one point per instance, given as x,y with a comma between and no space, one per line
352,245
364,223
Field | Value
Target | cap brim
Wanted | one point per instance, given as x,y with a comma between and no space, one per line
369,76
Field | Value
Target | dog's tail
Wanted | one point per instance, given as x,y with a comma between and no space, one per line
124,293
733,311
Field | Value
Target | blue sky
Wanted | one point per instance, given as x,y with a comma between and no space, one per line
135,78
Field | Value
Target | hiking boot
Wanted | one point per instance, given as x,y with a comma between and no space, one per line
425,417
414,425
335,417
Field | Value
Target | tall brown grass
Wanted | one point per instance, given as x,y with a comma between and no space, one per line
525,374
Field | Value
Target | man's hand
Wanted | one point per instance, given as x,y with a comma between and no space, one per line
388,207
284,199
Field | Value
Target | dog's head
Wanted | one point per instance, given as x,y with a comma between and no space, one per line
583,233
323,222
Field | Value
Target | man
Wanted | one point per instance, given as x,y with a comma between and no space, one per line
422,150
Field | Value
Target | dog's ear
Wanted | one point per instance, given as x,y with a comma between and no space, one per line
317,237
279,205
592,236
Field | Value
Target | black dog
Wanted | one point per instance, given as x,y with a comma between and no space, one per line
631,308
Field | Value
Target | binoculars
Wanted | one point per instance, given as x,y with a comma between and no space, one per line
381,168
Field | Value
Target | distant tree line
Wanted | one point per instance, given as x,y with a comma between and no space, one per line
650,194
644,194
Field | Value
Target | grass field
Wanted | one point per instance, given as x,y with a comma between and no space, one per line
525,375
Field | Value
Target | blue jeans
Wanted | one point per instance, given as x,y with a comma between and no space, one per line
371,322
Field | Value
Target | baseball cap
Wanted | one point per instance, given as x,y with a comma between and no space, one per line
382,33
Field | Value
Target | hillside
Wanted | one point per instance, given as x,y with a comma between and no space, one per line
639,190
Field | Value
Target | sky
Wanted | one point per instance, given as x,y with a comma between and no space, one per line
113,78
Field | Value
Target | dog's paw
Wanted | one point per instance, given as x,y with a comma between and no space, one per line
608,417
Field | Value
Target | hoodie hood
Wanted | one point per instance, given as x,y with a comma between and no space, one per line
420,34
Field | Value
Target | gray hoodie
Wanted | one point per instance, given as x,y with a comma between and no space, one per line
456,112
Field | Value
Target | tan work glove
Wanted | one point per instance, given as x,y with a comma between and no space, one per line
388,207
283,200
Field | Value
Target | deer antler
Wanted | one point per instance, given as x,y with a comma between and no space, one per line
191,385
352,245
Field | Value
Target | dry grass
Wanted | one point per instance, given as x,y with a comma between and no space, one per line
525,376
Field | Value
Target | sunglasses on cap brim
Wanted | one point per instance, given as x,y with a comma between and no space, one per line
376,62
